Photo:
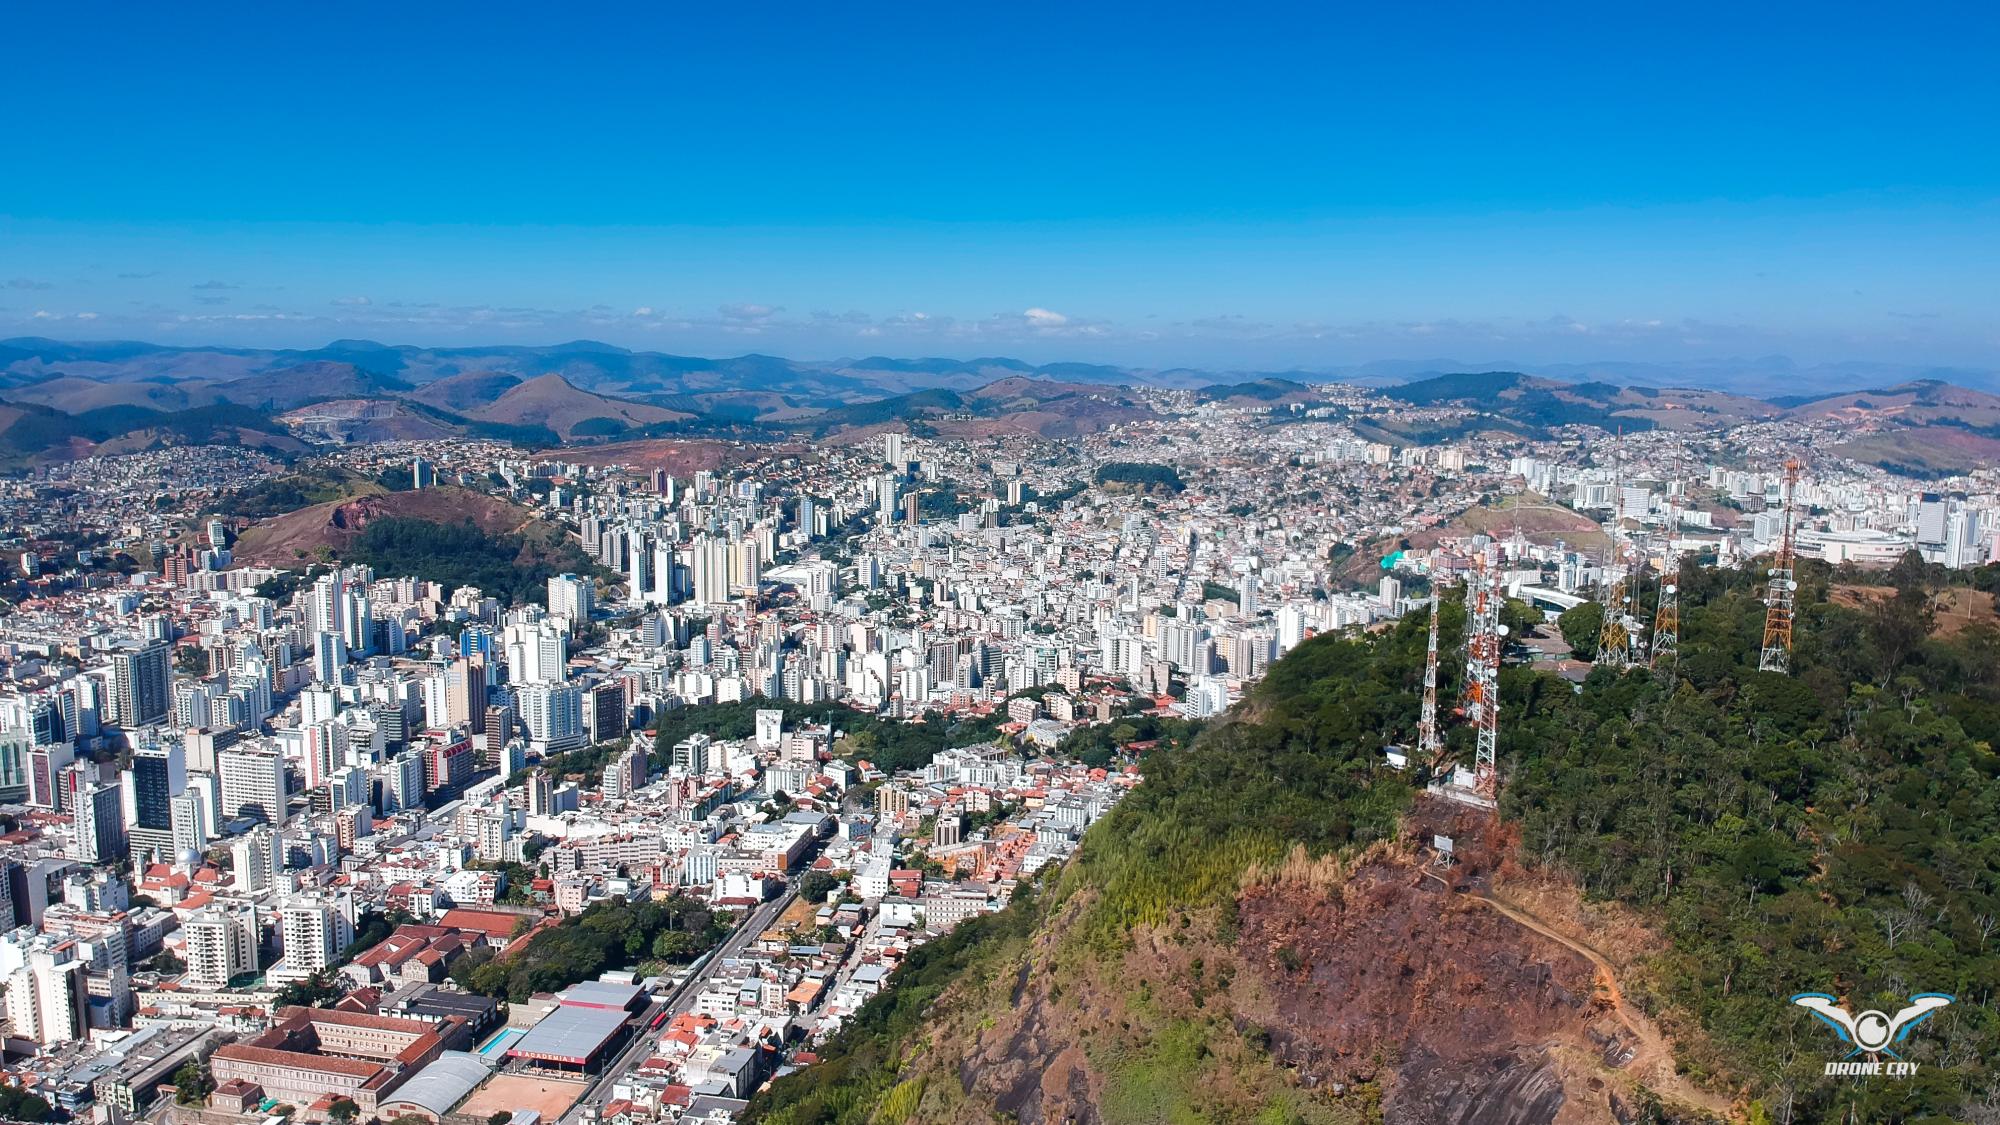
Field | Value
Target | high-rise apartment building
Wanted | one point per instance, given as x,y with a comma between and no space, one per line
141,686
253,784
221,945
570,598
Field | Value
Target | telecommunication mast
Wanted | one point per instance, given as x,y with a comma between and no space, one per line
1778,594
1482,672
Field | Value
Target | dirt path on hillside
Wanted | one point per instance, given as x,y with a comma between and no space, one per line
1652,1059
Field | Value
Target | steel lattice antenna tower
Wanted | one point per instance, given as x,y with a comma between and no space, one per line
1429,743
1482,671
1614,642
1635,600
1777,653
1667,610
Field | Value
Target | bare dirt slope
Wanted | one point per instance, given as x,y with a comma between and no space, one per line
1388,988
297,537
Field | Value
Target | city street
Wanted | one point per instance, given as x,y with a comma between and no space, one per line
680,1000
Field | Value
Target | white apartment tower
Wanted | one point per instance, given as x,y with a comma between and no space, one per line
221,945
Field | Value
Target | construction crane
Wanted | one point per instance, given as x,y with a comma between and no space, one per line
1777,652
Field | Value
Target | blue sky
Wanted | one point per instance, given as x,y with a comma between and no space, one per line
1249,185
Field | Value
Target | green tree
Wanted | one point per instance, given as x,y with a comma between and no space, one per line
1581,626
192,1083
816,886
17,1104
315,991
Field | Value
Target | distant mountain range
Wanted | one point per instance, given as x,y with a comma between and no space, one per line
1759,377
1921,428
608,369
62,398
1536,403
585,364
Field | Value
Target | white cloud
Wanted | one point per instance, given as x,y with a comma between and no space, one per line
746,311
1045,318
352,302
643,310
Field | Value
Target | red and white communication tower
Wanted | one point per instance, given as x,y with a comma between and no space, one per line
1482,669
1777,652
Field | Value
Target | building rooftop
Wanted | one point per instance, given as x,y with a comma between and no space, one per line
444,1083
600,994
571,1034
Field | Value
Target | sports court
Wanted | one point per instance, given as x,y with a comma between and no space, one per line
509,1092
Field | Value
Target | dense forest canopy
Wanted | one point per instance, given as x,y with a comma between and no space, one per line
1837,830
513,568
1142,476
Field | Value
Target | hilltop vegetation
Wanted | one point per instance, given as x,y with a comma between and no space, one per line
274,496
1139,476
515,568
1829,831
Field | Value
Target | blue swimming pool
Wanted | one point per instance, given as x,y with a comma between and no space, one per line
494,1049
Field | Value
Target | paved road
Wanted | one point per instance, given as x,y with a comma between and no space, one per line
679,1000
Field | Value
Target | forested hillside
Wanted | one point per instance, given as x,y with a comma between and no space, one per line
1747,835
513,567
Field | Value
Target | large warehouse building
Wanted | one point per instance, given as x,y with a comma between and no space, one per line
574,1037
